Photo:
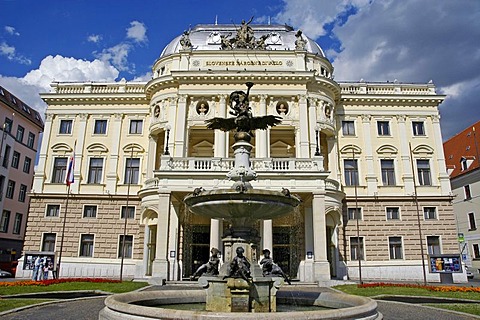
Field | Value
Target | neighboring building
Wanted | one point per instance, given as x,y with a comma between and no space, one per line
20,130
149,139
463,165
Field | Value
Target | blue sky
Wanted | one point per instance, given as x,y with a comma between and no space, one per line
382,40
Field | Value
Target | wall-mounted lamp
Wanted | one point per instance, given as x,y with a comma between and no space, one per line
317,150
167,128
309,255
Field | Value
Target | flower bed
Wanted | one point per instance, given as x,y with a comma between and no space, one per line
55,281
431,288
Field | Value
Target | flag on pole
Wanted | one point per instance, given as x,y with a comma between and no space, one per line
71,166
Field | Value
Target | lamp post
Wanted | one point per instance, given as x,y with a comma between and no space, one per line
317,150
167,128
359,253
129,182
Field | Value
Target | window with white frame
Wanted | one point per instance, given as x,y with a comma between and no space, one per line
393,213
433,245
136,126
59,170
20,133
383,128
86,245
4,221
10,189
388,172
48,242
128,249
27,164
356,248
132,170
17,226
351,172
395,247
418,128
53,210
95,171
130,212
90,211
472,225
15,159
430,213
423,169
30,140
468,193
348,128
354,213
65,127
100,127
22,194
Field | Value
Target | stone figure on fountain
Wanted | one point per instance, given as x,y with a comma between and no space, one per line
270,268
239,267
211,267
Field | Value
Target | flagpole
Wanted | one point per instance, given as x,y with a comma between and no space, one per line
63,233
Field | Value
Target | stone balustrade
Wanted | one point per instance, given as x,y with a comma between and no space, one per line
387,88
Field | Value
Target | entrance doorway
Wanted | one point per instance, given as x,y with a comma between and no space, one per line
151,248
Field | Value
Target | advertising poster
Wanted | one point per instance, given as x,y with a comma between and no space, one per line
44,258
445,263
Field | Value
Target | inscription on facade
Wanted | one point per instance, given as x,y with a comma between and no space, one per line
242,63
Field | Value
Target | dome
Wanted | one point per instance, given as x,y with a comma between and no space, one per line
209,37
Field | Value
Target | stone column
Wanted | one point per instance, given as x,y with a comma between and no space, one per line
111,176
321,267
160,265
179,129
267,236
81,132
39,175
151,155
312,119
405,155
215,234
145,248
302,135
221,148
370,175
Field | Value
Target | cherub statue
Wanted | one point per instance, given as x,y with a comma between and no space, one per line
211,267
239,267
270,268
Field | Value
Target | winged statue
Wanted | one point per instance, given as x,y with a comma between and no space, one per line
243,120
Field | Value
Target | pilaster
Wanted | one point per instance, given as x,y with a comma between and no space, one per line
370,176
39,176
220,148
111,176
304,147
179,127
161,265
405,155
80,132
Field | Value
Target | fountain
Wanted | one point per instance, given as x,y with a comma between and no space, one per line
240,290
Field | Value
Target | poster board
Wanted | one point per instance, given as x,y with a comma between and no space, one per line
445,263
47,257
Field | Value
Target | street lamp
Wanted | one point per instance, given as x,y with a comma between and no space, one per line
167,128
317,150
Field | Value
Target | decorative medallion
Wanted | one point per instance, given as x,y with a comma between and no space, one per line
282,108
156,111
202,107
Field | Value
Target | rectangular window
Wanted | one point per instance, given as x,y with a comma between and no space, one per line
59,170
356,248
17,226
348,128
4,221
476,251
383,128
53,210
31,140
429,213
15,159
10,189
100,127
128,246
468,193
20,133
395,247
433,245
22,194
48,243
65,126
27,164
132,170
388,172
2,183
130,214
95,171
8,125
86,245
136,126
354,213
393,213
418,128
423,168
6,156
472,225
90,211
351,172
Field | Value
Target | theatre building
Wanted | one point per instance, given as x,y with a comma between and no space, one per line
366,159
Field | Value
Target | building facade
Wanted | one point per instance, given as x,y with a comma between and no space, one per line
462,158
20,131
343,148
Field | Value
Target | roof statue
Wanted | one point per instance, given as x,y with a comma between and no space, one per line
244,39
243,120
185,40
300,43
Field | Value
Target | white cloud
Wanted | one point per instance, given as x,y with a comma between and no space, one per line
11,31
10,53
56,68
137,32
116,55
95,38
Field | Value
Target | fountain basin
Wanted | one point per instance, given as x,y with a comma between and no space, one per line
147,305
252,204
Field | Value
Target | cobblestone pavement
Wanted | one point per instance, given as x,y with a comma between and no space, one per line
88,309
